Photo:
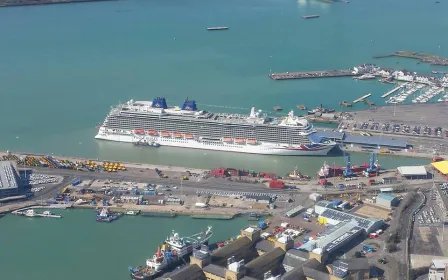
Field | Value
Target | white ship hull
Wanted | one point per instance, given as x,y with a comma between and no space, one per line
262,148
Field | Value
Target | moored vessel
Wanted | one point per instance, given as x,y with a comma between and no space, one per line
189,127
105,216
170,254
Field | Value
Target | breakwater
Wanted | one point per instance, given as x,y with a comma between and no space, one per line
14,3
425,58
313,74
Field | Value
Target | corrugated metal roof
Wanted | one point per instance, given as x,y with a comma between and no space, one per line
363,140
265,259
365,223
215,270
442,166
376,141
229,249
386,196
412,170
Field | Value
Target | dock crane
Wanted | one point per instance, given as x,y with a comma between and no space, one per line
373,167
348,171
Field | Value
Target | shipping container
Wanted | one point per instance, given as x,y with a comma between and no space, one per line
275,184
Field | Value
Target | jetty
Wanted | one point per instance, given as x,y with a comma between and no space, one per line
393,90
12,3
158,214
362,98
31,213
217,28
422,57
213,216
312,74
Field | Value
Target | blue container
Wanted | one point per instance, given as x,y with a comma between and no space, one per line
341,186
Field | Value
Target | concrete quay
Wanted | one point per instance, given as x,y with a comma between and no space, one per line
312,74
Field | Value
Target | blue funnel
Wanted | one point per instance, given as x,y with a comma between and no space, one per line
189,105
159,102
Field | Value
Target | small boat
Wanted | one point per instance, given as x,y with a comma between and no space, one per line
227,140
301,107
152,132
2,215
165,134
139,131
345,103
132,212
278,108
251,141
30,213
310,16
188,136
217,28
177,135
106,216
240,140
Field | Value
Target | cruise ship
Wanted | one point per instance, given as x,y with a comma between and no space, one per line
189,127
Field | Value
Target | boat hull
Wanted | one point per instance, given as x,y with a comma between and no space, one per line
263,148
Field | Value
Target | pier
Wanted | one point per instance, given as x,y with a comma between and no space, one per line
425,58
313,74
393,90
361,98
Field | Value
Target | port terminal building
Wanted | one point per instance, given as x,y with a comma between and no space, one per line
413,172
387,200
10,182
250,257
363,141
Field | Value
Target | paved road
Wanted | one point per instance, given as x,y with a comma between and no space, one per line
203,184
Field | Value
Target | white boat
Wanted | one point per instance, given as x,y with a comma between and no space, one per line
185,245
188,127
365,77
30,213
132,212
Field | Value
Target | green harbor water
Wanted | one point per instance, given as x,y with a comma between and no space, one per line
77,247
63,66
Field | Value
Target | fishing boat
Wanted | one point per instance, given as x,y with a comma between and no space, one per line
30,213
170,254
295,174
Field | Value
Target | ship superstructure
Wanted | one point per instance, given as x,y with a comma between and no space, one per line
170,254
189,127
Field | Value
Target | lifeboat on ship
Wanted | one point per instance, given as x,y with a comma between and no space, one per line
177,135
240,141
152,132
165,134
227,140
251,141
139,131
188,136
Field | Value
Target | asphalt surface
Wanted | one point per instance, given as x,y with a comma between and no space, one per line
194,183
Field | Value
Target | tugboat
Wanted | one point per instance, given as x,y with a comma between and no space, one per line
295,174
106,216
170,254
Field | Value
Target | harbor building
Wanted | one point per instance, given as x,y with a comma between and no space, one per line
368,142
438,269
189,272
387,200
413,172
358,268
240,248
334,217
441,167
321,206
325,245
9,179
294,258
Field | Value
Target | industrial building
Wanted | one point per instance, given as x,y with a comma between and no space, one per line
413,172
334,217
387,200
321,206
368,142
441,166
189,272
357,268
9,179
325,245
437,269
389,180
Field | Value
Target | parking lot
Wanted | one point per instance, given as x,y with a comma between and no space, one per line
397,128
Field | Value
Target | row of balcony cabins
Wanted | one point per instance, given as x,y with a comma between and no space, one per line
191,136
